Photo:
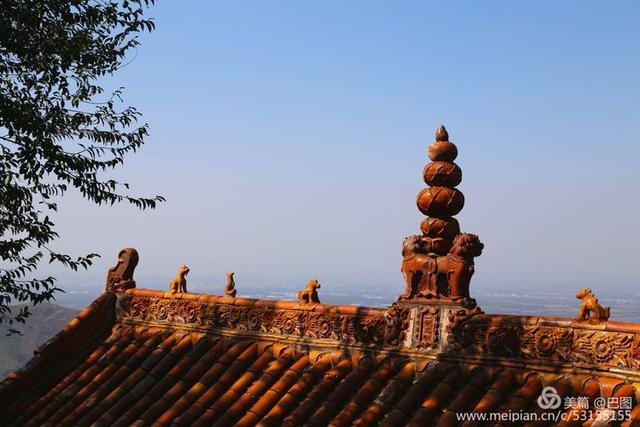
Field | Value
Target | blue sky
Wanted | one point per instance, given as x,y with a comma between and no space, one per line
289,140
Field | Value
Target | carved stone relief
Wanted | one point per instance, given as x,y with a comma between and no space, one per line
425,328
546,343
384,329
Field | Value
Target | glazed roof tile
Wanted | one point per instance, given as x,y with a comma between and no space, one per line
145,369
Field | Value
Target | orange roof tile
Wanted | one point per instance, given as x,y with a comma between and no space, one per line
200,360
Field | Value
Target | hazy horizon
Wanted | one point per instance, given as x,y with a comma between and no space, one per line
288,157
539,301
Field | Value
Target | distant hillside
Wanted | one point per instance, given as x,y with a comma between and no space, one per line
46,320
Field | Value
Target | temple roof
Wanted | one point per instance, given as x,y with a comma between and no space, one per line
146,357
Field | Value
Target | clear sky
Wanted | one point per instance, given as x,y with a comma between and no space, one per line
289,140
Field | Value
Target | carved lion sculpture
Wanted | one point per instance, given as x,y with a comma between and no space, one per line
459,265
590,308
310,293
414,262
434,276
230,288
179,283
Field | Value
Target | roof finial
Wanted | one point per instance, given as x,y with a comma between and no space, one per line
442,134
441,254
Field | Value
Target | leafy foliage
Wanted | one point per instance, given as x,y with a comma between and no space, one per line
59,129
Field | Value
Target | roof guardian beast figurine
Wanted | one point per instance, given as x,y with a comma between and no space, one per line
179,283
590,309
310,293
230,288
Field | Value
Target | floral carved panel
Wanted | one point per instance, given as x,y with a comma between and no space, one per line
560,344
367,329
462,333
503,340
396,323
547,343
467,331
603,348
287,322
328,326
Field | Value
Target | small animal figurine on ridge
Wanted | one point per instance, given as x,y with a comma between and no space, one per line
590,308
310,293
230,287
179,283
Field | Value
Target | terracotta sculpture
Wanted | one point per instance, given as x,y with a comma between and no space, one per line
120,276
229,289
439,264
590,308
448,275
179,283
310,293
441,200
415,262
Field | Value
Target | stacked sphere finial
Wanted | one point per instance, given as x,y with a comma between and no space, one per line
441,200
